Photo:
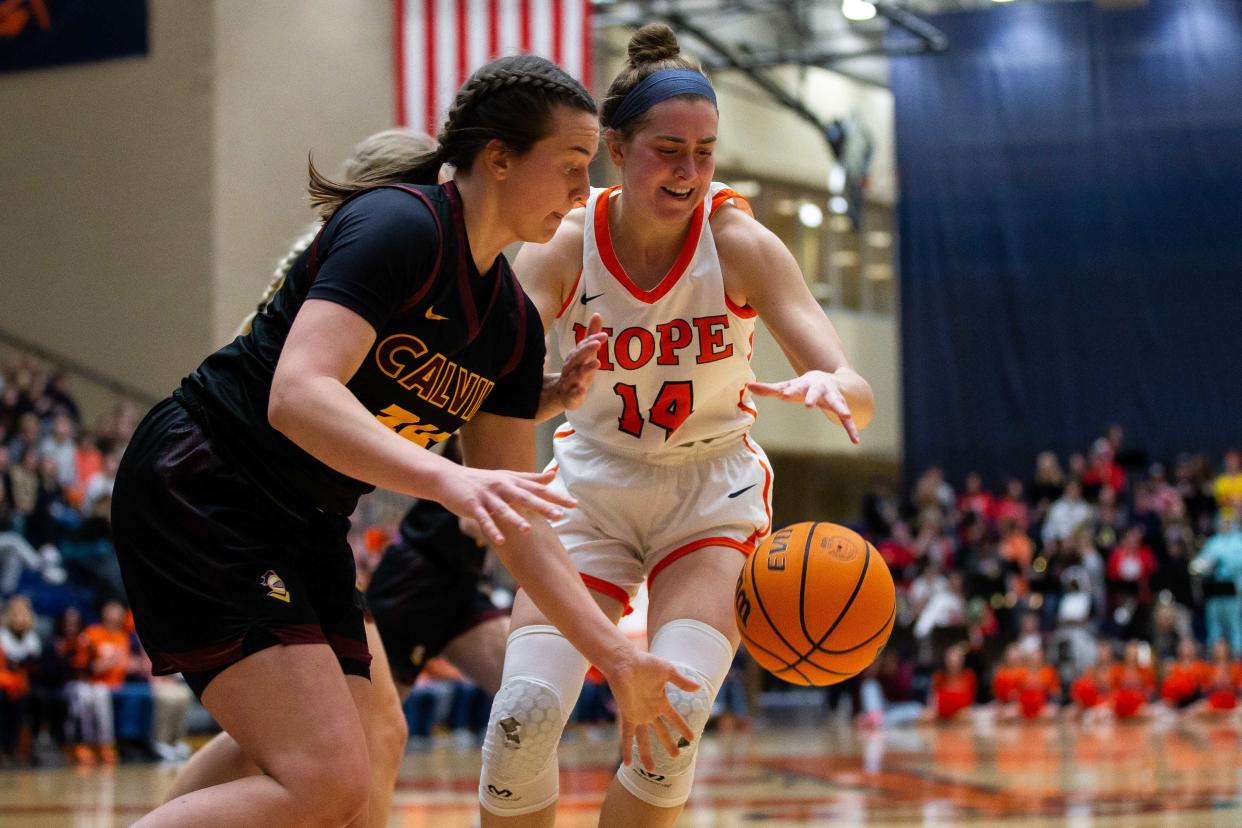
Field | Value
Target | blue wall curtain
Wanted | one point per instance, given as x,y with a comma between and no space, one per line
1071,233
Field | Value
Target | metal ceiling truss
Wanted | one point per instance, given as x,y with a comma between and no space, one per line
693,18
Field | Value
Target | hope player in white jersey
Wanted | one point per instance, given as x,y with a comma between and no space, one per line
669,486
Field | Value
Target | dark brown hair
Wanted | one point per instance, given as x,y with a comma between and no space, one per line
652,48
510,100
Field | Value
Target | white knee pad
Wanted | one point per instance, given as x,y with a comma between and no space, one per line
703,654
542,679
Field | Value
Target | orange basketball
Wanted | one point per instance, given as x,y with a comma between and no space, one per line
815,604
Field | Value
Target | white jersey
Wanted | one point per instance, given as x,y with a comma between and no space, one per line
677,360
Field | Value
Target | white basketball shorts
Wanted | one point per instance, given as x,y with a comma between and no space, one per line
636,515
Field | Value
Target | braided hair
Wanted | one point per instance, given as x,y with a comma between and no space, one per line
509,100
651,49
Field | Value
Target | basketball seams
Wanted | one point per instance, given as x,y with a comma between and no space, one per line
806,565
862,576
754,646
754,588
804,667
865,641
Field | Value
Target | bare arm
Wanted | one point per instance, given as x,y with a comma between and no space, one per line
761,272
311,406
548,273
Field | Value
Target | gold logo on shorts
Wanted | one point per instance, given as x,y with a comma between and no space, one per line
276,587
418,655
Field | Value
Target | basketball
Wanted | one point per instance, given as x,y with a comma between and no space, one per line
815,604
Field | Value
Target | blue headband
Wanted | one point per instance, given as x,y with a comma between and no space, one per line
658,87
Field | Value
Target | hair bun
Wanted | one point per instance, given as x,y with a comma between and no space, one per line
653,43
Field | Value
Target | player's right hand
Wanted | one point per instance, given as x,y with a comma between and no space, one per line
578,371
637,682
497,498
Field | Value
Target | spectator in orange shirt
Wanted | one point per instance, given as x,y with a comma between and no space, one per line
1040,685
1185,678
1007,680
1134,682
104,659
88,459
1016,545
108,644
953,688
1091,689
1223,679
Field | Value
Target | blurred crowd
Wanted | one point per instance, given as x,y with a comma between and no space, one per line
1106,583
74,682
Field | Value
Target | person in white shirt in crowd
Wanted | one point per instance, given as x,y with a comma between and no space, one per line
1068,513
62,445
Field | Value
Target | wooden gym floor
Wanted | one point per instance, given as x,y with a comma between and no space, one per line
1181,773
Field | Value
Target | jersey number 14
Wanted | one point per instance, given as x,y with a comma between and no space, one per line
672,406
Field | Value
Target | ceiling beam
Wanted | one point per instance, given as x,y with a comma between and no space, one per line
934,39
812,57
757,76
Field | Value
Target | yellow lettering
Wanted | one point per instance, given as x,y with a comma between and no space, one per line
388,353
394,416
422,379
439,395
410,426
464,391
424,434
484,388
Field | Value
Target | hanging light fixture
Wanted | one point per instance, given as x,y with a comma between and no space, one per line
857,10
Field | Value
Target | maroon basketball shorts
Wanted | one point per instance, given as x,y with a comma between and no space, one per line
215,570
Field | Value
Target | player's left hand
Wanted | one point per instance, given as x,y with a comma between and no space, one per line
580,366
814,389
637,682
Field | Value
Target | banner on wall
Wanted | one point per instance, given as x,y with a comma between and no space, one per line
439,43
38,33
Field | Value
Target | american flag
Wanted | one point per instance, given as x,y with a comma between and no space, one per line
440,42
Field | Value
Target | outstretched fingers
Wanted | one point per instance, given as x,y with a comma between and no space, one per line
545,495
847,422
645,757
679,724
812,394
660,726
767,389
835,403
683,682
490,530
627,742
